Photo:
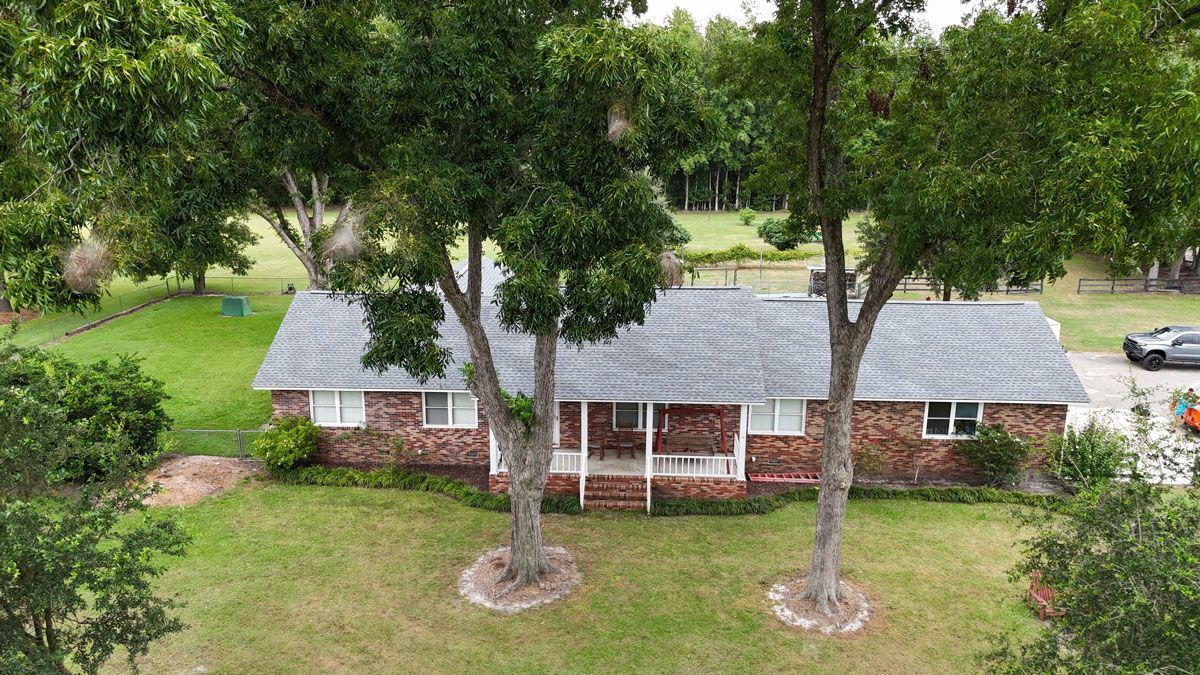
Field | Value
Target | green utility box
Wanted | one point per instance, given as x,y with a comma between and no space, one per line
235,305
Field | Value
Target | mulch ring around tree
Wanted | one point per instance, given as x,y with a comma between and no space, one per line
850,620
480,583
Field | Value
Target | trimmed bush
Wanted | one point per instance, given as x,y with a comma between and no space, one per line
743,253
747,216
289,441
996,453
767,504
399,479
1088,457
116,408
777,233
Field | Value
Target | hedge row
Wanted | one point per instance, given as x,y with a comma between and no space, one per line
767,504
471,496
742,252
399,479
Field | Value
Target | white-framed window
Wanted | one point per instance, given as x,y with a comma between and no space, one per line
450,409
632,416
337,408
952,419
784,416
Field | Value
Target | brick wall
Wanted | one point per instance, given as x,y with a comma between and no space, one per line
697,488
556,484
391,416
895,428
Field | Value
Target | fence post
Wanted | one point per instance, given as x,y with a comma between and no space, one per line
760,265
241,446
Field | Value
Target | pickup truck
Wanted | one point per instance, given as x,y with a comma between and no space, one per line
1169,344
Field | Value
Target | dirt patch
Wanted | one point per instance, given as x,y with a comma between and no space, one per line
11,317
850,620
480,583
186,479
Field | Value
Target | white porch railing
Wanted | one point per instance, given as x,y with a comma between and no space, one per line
566,462
694,466
563,462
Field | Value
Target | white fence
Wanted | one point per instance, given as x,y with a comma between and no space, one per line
566,462
719,466
563,462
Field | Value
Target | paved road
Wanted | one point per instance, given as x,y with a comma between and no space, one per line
1100,372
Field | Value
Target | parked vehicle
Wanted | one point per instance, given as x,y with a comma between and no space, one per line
1169,344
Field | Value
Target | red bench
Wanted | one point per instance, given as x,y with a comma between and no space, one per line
799,478
1041,598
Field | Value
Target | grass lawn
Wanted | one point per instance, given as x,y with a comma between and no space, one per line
206,361
305,579
1099,322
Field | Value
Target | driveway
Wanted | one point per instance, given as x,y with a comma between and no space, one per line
1100,373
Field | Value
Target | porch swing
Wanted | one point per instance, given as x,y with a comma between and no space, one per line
685,410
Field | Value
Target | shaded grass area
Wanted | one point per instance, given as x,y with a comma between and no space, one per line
309,579
206,361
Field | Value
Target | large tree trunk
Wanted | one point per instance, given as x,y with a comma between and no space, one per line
528,450
316,263
1177,265
946,293
5,303
199,283
1152,277
847,339
530,455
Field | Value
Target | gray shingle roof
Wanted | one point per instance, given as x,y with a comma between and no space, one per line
922,351
716,345
693,348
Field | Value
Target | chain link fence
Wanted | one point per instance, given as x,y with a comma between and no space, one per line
217,442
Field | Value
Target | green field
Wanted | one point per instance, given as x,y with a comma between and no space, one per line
207,361
286,579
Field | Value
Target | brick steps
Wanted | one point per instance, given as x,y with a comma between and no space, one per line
615,493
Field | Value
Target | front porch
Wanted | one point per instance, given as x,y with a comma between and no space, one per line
659,449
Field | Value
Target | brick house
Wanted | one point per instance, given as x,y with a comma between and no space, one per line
719,388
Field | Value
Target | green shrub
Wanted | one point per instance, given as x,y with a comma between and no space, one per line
1088,457
777,233
767,504
747,216
115,407
290,440
399,479
1124,567
997,454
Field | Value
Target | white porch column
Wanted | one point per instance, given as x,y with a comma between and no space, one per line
493,453
583,451
649,450
740,450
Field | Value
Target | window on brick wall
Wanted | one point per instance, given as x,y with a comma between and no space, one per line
778,416
632,416
952,419
450,409
334,408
